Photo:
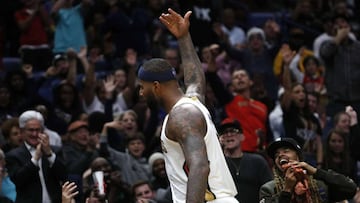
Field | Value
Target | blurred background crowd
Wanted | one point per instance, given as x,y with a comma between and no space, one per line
280,68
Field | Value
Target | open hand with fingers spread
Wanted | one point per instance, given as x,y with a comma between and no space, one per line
353,115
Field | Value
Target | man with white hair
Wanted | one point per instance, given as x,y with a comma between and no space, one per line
35,167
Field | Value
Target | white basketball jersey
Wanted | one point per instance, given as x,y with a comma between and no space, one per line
220,182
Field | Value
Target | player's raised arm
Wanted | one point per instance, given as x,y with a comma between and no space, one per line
194,77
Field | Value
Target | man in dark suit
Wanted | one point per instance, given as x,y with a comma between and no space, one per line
35,167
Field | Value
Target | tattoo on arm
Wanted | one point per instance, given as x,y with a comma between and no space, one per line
194,76
187,126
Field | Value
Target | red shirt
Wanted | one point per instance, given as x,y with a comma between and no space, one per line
319,80
252,116
35,34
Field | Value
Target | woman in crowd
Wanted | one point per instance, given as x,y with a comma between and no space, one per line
11,132
299,123
337,154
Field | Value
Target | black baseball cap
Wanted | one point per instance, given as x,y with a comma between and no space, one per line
283,142
59,57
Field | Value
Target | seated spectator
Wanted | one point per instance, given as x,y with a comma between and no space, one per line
292,184
11,132
157,166
249,170
115,189
7,187
143,192
78,155
337,155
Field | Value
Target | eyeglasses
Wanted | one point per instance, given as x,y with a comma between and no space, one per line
231,131
31,130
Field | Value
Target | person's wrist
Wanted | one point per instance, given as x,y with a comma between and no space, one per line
48,154
36,158
287,189
353,122
337,40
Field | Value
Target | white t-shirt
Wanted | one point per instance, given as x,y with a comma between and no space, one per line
236,35
118,106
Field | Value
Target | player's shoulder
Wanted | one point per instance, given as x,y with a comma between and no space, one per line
187,110
187,104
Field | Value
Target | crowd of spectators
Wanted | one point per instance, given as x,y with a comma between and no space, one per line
69,93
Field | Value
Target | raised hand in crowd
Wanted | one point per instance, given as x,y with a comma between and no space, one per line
341,34
353,115
181,27
357,196
272,28
28,69
82,53
69,191
287,54
210,58
110,85
51,71
116,124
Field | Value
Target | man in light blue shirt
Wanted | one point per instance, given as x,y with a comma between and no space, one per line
70,31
